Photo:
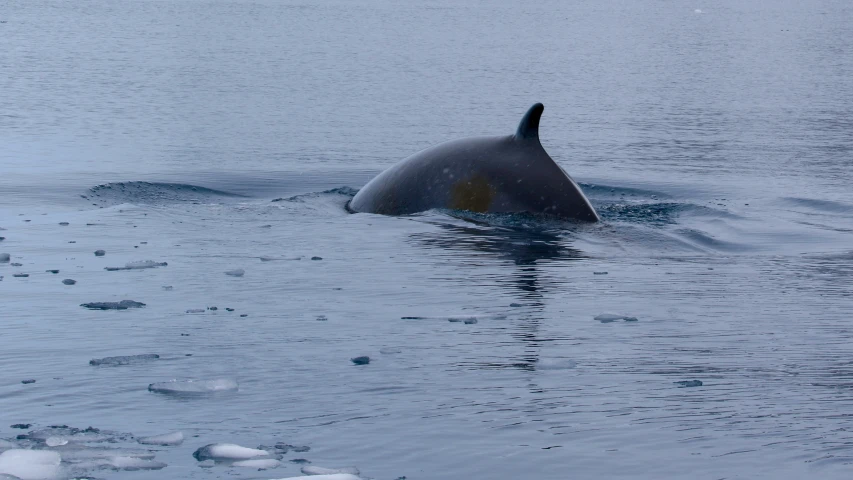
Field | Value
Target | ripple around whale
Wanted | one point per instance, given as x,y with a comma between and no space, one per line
153,193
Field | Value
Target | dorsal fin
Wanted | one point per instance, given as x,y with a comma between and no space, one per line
529,126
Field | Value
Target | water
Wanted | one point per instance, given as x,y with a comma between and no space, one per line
715,140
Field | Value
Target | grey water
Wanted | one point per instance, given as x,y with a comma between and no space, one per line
210,136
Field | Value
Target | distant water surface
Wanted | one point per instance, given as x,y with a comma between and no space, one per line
715,140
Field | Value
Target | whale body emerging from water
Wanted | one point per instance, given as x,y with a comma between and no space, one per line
506,174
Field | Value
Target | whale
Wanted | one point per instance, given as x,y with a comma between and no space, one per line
493,174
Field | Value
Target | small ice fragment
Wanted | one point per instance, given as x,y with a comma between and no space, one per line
122,305
316,258
4,257
28,381
100,253
689,383
259,463
389,350
168,288
125,463
139,265
69,281
698,10
364,360
123,359
194,387
244,315
470,321
334,476
56,441
236,273
30,464
52,271
227,451
22,426
196,310
315,470
64,224
229,309
165,440
212,309
515,305
21,275
612,317
555,364
145,264
599,273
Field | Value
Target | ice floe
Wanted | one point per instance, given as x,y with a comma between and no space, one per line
228,452
612,317
30,464
140,265
260,463
122,305
194,387
165,440
334,476
315,470
123,360
235,273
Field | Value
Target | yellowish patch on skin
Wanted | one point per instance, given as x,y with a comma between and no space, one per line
474,194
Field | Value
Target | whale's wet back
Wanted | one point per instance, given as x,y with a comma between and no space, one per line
511,174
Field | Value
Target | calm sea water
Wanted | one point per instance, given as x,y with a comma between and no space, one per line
714,138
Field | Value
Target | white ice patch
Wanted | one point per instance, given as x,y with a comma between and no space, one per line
194,387
227,452
165,440
236,273
56,441
257,463
314,470
30,464
122,463
334,476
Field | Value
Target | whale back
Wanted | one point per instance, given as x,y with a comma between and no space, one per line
504,174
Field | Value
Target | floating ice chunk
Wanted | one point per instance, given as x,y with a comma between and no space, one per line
30,464
100,253
555,364
364,360
69,281
133,463
227,452
236,273
257,463
56,441
123,360
71,434
194,387
612,317
79,454
314,470
689,383
168,288
389,350
165,440
334,476
140,265
122,305
196,310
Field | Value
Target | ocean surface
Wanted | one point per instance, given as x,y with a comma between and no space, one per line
715,139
